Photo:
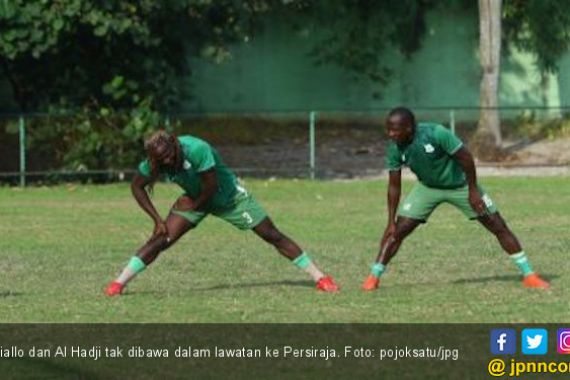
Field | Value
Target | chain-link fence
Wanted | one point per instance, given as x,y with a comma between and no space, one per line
42,148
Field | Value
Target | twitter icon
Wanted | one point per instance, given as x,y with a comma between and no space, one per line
534,341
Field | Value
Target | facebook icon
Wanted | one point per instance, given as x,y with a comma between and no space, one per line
503,341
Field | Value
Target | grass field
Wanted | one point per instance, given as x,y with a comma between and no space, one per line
59,246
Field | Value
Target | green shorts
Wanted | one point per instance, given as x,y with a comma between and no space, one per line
422,200
245,213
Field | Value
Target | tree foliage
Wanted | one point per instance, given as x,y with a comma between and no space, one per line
356,34
111,60
119,65
112,52
541,27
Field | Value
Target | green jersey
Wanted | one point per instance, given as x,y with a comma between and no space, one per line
429,157
198,156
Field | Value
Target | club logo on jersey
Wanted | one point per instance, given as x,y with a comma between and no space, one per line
487,200
186,165
429,148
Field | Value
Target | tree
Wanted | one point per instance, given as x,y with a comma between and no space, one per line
355,33
82,52
539,27
114,65
488,137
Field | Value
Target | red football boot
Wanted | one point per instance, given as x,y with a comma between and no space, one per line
371,283
327,284
533,280
114,289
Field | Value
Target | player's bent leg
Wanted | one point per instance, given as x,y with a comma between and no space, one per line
509,242
495,224
404,227
176,226
388,249
291,250
268,232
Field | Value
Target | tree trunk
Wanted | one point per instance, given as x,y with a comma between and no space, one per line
488,140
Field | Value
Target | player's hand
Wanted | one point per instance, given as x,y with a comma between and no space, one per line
159,229
477,202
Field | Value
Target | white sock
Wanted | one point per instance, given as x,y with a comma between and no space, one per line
125,276
314,272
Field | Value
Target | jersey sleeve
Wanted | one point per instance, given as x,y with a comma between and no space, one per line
393,158
447,140
202,157
144,168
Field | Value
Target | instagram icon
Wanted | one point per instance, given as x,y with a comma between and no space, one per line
563,345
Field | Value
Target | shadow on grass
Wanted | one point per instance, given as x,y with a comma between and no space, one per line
504,278
303,283
9,293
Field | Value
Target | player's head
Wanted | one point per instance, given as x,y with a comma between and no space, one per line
163,151
400,125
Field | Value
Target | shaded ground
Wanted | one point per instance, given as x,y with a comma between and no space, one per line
542,152
354,154
345,148
360,153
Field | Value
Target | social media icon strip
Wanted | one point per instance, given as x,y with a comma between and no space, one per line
534,341
563,341
504,341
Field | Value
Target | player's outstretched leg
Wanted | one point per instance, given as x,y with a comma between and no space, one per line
388,249
288,248
496,224
176,226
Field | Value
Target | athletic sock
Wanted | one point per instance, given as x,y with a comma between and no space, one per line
304,262
521,261
377,269
134,267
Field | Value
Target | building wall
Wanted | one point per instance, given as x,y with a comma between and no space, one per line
274,72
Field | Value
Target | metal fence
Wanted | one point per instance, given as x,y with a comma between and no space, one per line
308,144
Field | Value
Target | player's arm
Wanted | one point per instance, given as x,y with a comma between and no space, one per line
138,185
465,160
394,163
394,191
209,181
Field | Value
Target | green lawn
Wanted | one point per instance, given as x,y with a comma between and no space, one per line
59,246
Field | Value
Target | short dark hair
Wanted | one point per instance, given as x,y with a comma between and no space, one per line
405,113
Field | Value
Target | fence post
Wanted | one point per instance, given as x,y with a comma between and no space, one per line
452,121
22,129
312,121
